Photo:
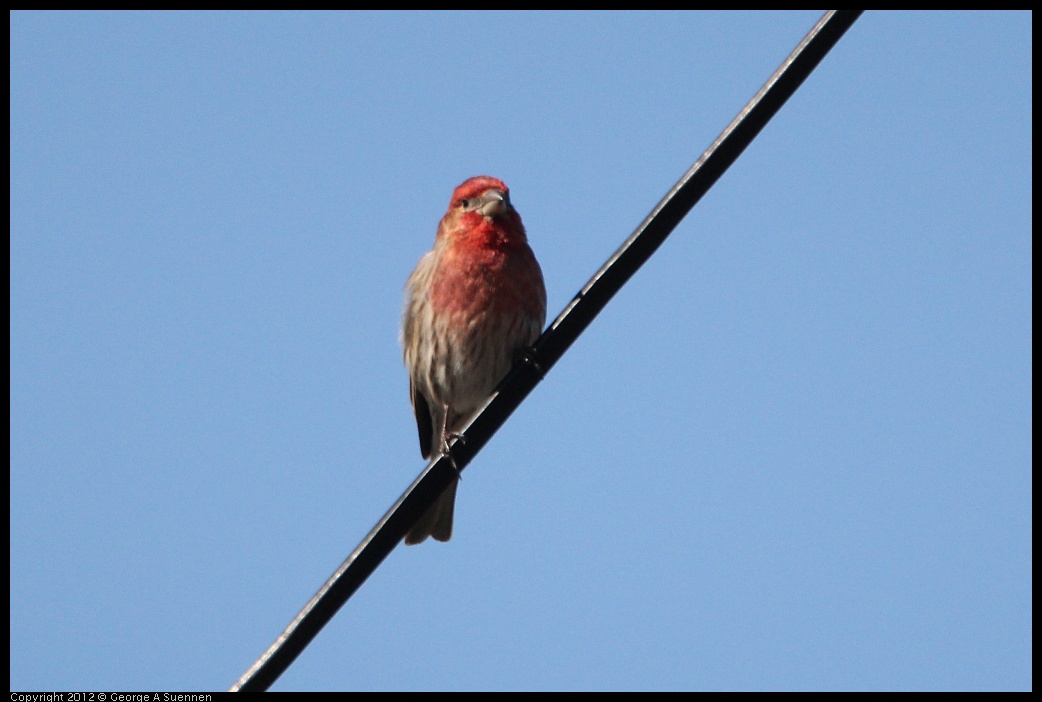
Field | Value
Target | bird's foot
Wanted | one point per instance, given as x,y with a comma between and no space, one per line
446,449
530,358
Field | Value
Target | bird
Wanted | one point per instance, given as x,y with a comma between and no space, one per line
474,303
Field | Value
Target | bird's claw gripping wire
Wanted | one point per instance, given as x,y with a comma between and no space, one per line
446,449
530,358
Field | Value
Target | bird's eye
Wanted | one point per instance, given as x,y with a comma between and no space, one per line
465,203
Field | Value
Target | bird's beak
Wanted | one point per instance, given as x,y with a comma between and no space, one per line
493,203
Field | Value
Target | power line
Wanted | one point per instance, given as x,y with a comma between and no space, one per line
577,315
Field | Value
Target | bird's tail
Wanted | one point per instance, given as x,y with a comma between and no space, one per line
436,521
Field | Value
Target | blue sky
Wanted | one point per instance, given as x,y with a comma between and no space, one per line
793,453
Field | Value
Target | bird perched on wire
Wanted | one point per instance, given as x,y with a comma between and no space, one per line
473,304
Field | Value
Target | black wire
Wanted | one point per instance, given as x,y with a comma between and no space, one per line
586,305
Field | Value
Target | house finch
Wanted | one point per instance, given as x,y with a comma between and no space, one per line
474,302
